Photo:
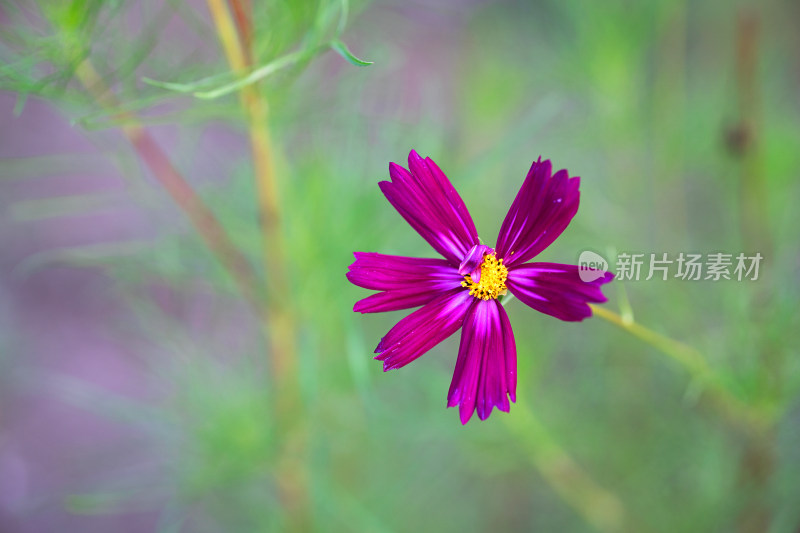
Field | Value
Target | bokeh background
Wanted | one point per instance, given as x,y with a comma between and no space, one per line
179,353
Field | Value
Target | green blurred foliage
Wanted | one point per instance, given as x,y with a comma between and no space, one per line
634,97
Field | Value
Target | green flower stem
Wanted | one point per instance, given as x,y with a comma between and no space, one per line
741,415
599,507
291,473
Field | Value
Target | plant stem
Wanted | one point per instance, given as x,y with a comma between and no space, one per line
273,246
687,356
745,140
756,427
758,459
201,216
243,13
597,506
280,323
740,415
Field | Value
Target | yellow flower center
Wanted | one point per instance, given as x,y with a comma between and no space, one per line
492,283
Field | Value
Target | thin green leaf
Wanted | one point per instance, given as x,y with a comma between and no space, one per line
340,48
254,76
188,87
258,74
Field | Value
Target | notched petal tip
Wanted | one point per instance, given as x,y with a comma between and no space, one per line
557,290
485,372
424,196
578,315
542,209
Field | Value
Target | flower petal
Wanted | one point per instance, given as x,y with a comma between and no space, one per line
429,202
556,289
472,262
423,329
543,208
405,281
486,371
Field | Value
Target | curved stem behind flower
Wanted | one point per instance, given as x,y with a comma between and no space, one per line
687,356
740,414
597,506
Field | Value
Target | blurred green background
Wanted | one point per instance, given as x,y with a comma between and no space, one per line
138,386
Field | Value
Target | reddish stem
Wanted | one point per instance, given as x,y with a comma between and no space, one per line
201,216
243,14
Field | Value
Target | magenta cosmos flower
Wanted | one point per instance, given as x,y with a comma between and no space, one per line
463,289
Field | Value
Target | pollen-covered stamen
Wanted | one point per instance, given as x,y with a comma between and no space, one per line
492,283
